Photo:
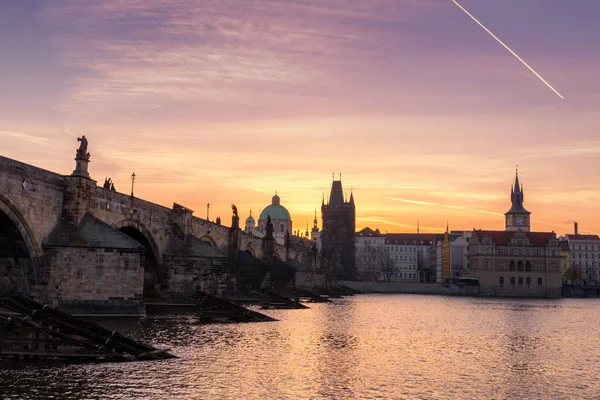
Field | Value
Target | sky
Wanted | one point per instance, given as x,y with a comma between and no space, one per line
227,101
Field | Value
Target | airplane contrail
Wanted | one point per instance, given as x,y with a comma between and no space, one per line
508,48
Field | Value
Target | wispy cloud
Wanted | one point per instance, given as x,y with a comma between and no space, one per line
24,137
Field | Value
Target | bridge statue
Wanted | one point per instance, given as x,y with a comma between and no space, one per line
235,219
269,228
82,150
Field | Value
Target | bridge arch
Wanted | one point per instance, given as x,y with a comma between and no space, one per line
20,252
153,274
208,239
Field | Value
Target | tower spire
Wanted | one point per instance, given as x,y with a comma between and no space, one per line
517,218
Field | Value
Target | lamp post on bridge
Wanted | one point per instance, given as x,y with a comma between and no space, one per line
132,181
207,210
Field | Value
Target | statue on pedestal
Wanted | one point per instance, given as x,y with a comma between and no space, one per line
235,219
269,228
82,150
82,159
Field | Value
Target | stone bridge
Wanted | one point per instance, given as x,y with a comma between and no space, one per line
67,240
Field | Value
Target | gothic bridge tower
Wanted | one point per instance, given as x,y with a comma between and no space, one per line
337,235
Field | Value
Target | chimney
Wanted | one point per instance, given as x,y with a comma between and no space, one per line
576,228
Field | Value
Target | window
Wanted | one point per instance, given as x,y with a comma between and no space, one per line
501,264
487,264
501,281
501,252
539,265
539,281
281,228
512,265
512,280
528,281
520,281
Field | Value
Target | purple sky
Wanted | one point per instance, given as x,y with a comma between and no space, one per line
227,101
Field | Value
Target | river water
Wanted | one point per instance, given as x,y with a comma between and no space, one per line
361,347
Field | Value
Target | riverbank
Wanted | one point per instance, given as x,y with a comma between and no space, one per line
449,289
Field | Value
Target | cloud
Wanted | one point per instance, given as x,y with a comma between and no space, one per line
24,137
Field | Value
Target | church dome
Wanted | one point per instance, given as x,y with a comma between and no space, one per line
275,210
250,219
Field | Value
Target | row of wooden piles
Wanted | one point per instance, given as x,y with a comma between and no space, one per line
213,309
31,330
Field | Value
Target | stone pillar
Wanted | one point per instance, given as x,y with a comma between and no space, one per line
79,197
81,167
233,243
268,243
80,191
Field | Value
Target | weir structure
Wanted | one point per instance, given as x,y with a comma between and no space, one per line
89,249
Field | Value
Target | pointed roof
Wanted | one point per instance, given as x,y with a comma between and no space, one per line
91,233
336,198
516,198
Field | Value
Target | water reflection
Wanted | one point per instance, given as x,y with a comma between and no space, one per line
370,346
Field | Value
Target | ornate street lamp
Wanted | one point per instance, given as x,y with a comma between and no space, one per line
132,181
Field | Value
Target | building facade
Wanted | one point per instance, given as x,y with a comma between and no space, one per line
370,252
516,262
411,255
584,257
565,262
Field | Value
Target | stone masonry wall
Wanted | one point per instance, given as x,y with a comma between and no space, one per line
186,275
91,281
36,195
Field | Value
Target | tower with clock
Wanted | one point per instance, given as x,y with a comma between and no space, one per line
517,218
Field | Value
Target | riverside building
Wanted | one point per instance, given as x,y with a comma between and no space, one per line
516,262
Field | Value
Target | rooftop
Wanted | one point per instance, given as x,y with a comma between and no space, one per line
502,238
